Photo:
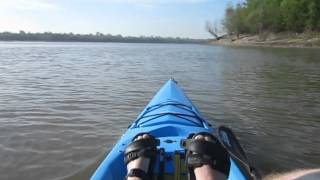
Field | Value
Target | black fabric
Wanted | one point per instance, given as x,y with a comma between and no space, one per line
138,173
142,147
200,152
206,152
148,153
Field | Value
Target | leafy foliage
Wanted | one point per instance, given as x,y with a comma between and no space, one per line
257,16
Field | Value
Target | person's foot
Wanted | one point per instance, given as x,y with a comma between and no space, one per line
139,163
205,172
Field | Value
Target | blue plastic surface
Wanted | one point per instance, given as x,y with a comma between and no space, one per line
170,116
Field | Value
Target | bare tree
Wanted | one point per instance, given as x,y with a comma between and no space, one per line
213,29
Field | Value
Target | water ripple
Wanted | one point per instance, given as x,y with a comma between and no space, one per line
63,105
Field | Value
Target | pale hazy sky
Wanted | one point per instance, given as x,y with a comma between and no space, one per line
175,18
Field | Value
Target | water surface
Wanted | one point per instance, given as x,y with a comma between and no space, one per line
63,105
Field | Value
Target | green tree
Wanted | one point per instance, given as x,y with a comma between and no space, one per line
256,16
229,20
313,15
294,14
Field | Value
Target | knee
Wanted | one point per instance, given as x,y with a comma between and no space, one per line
302,174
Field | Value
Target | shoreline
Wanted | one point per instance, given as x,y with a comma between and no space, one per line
280,40
19,41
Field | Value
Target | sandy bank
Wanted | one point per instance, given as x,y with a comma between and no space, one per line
302,40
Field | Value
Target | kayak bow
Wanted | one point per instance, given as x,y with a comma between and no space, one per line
170,117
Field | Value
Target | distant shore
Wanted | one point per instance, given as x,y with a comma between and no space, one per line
98,37
302,40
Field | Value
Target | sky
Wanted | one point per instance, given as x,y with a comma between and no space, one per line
167,18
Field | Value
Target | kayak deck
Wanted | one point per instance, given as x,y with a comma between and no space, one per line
170,117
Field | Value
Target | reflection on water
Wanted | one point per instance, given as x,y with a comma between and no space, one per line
63,105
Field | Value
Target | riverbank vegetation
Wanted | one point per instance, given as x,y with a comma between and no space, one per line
98,37
286,22
258,16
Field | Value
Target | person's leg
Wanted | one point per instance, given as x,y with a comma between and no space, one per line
140,163
205,172
302,174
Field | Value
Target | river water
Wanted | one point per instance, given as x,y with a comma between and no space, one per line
63,105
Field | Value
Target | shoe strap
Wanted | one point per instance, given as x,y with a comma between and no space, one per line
202,152
139,173
143,147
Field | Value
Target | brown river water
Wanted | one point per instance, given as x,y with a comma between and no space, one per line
63,105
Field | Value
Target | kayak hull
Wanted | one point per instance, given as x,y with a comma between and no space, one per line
170,117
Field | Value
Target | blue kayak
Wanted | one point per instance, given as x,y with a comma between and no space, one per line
171,117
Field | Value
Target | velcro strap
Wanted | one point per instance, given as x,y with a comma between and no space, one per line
203,147
207,152
197,160
139,148
138,173
142,144
130,156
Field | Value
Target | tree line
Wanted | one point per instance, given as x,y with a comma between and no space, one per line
258,16
98,37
